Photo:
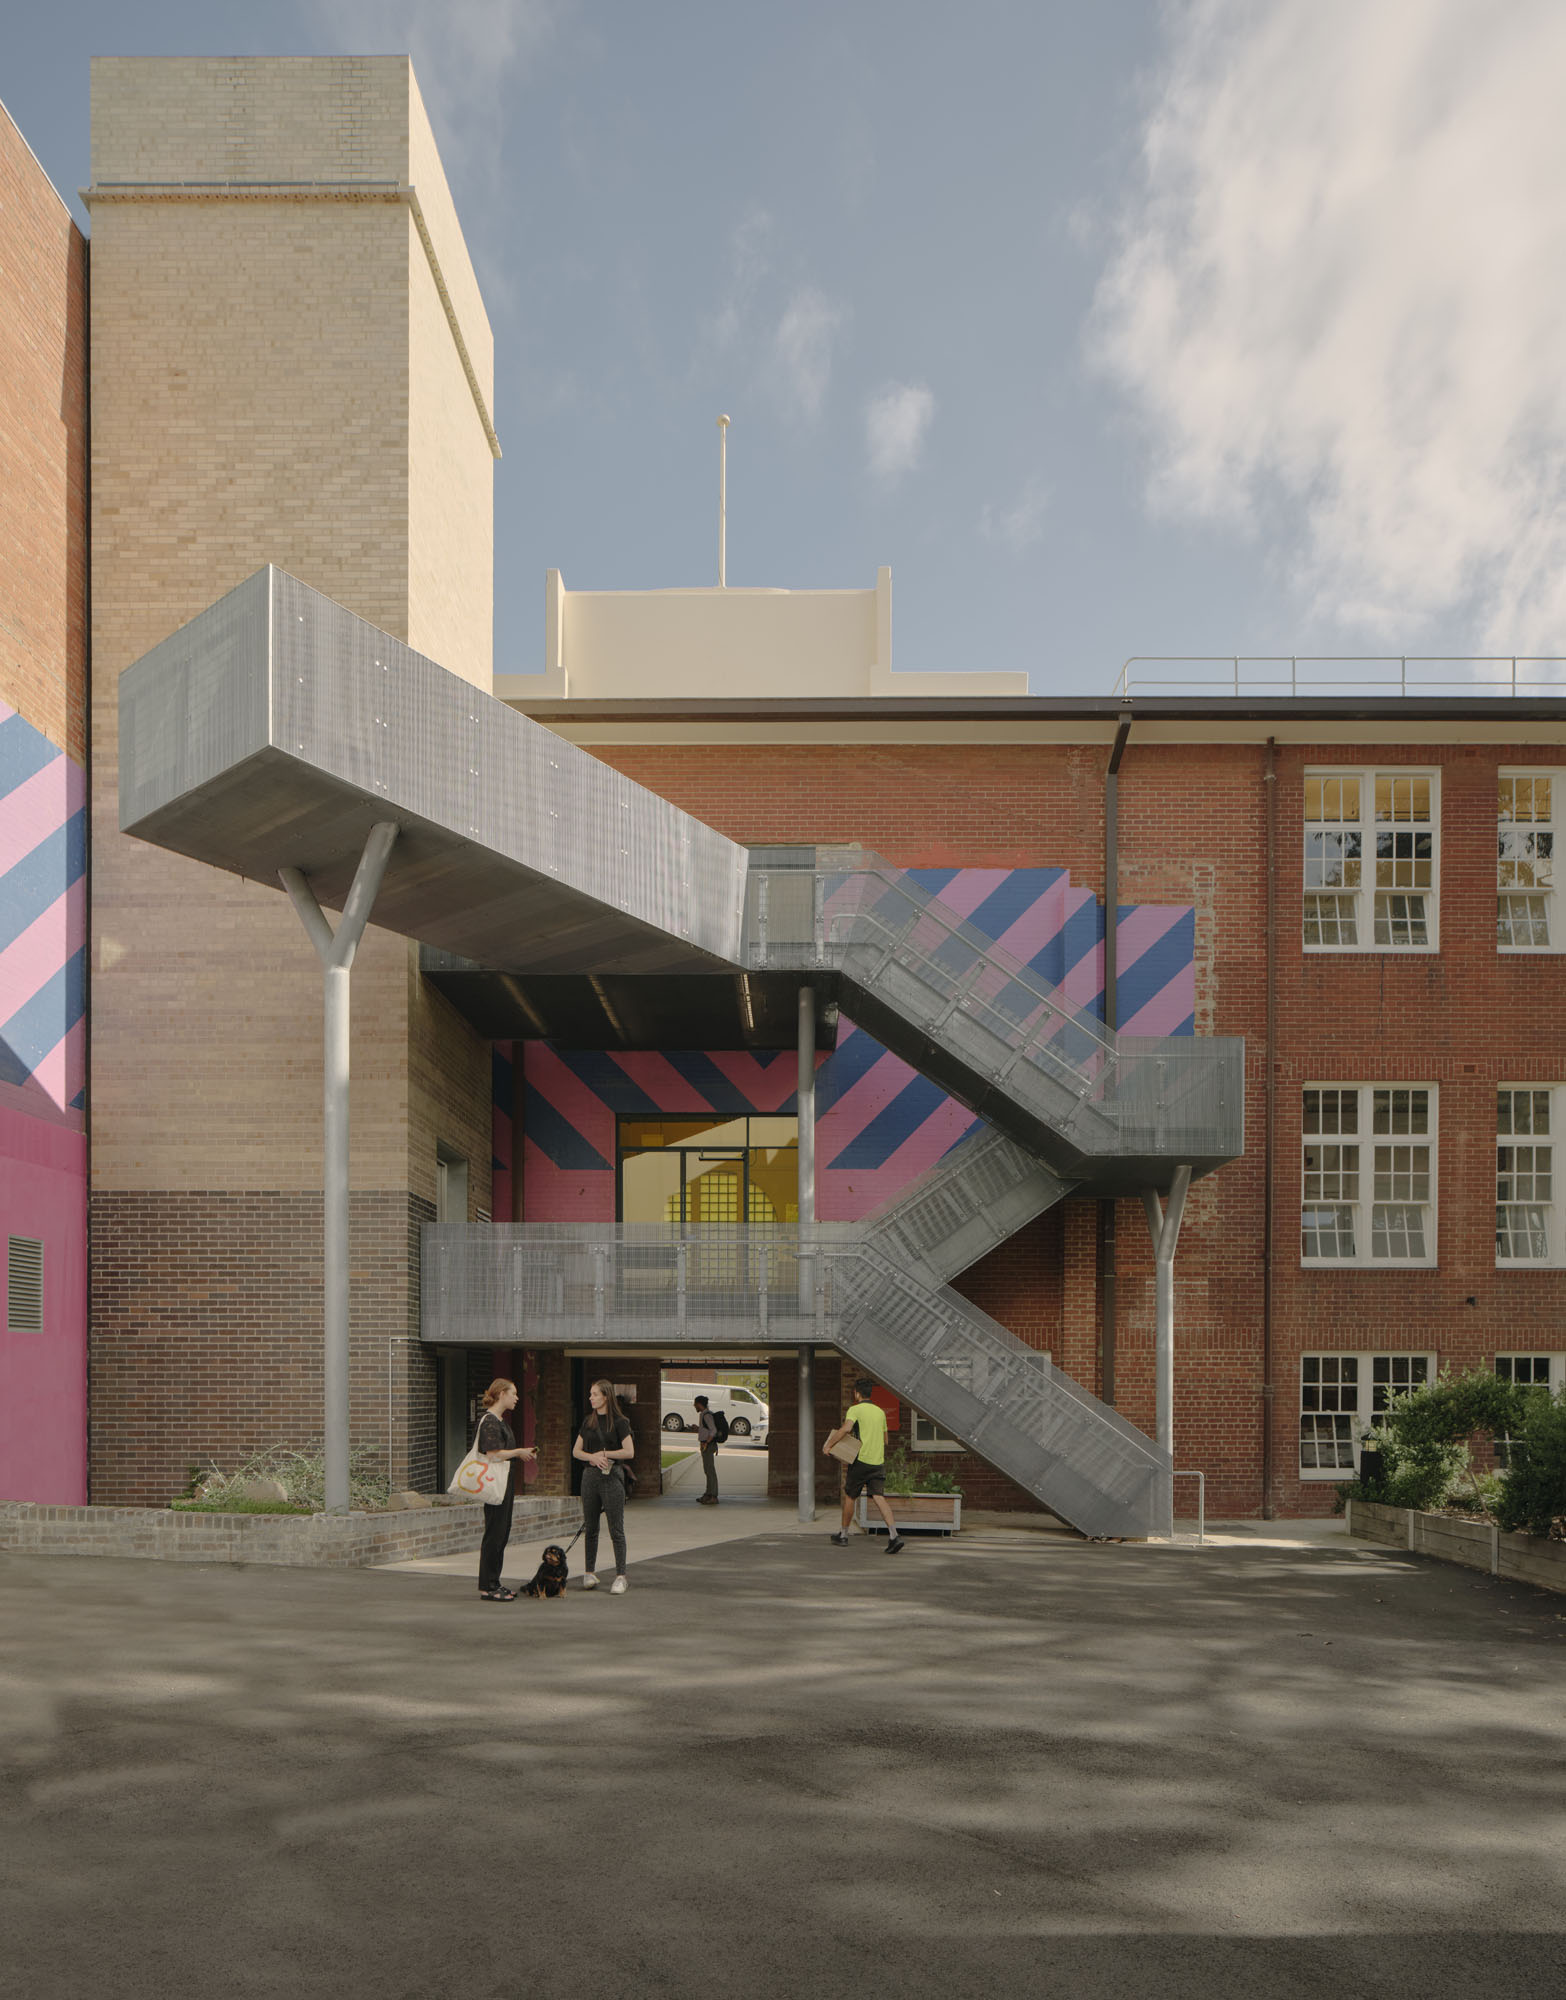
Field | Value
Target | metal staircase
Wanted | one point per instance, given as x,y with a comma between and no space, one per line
1120,1111
276,730
969,1203
845,1285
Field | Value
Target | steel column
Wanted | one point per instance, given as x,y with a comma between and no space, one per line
1164,1227
336,953
805,1099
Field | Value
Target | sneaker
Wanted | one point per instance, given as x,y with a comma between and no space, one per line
617,1588
894,1545
840,1537
589,1582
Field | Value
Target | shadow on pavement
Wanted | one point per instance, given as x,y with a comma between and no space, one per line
777,1767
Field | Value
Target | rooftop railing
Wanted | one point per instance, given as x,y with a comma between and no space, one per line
1296,675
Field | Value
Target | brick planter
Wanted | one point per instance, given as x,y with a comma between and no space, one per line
1474,1544
297,1541
922,1513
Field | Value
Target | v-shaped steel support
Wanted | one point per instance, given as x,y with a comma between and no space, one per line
1163,1225
336,953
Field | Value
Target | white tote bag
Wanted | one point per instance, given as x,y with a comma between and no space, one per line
476,1479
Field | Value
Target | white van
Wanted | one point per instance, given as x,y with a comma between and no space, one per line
746,1412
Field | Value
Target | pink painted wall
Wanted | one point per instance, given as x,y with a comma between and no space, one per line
43,1376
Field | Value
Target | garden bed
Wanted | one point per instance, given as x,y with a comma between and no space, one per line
1452,1538
296,1541
917,1513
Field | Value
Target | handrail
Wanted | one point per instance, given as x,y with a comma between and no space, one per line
1236,684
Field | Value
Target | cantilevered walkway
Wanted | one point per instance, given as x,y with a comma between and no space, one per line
277,733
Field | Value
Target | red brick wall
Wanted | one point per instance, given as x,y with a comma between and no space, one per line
1193,829
43,448
1466,1019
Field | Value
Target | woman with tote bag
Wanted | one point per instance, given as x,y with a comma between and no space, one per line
606,1447
496,1441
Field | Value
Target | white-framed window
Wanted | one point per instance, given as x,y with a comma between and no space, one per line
1368,1174
1532,1371
1341,1395
1530,1225
1372,849
927,1435
1526,918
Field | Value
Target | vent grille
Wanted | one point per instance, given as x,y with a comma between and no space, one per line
24,1285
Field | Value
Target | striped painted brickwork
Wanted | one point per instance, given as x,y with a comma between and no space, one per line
43,888
879,1123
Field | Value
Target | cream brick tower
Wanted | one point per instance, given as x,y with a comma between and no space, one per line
291,363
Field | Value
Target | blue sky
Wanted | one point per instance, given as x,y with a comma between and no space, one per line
1114,328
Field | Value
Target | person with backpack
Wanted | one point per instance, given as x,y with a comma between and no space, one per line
606,1447
712,1429
867,1473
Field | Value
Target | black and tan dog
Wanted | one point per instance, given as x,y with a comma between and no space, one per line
549,1579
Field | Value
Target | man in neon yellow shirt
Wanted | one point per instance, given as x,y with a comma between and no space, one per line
867,1474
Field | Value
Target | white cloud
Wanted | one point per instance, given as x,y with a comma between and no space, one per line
896,423
1020,525
467,55
802,349
749,263
1339,303
788,348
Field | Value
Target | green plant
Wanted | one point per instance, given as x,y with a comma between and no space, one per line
1532,1499
301,1472
1424,1434
906,1474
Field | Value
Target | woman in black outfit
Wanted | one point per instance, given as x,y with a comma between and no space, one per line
604,1444
497,1442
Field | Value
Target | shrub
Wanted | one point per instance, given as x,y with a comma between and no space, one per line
1424,1433
1532,1500
301,1472
905,1474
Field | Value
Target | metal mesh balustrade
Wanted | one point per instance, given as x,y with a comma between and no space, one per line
987,1026
983,1191
647,1285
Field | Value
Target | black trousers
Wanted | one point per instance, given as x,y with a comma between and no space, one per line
497,1532
603,1493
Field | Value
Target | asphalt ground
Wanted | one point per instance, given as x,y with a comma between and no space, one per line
1002,1765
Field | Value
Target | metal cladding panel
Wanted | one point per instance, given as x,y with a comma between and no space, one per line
195,707
609,858
511,843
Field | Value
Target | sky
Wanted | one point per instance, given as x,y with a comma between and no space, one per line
1116,328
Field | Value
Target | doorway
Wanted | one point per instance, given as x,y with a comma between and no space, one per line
701,1171
738,1385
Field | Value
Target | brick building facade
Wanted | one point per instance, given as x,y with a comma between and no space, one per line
1461,1019
295,368
290,363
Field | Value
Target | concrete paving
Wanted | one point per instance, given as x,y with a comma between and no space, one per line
1012,1763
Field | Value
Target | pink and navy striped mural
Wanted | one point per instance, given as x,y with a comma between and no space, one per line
879,1123
43,898
43,1145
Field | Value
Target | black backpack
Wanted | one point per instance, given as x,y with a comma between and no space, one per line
720,1426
